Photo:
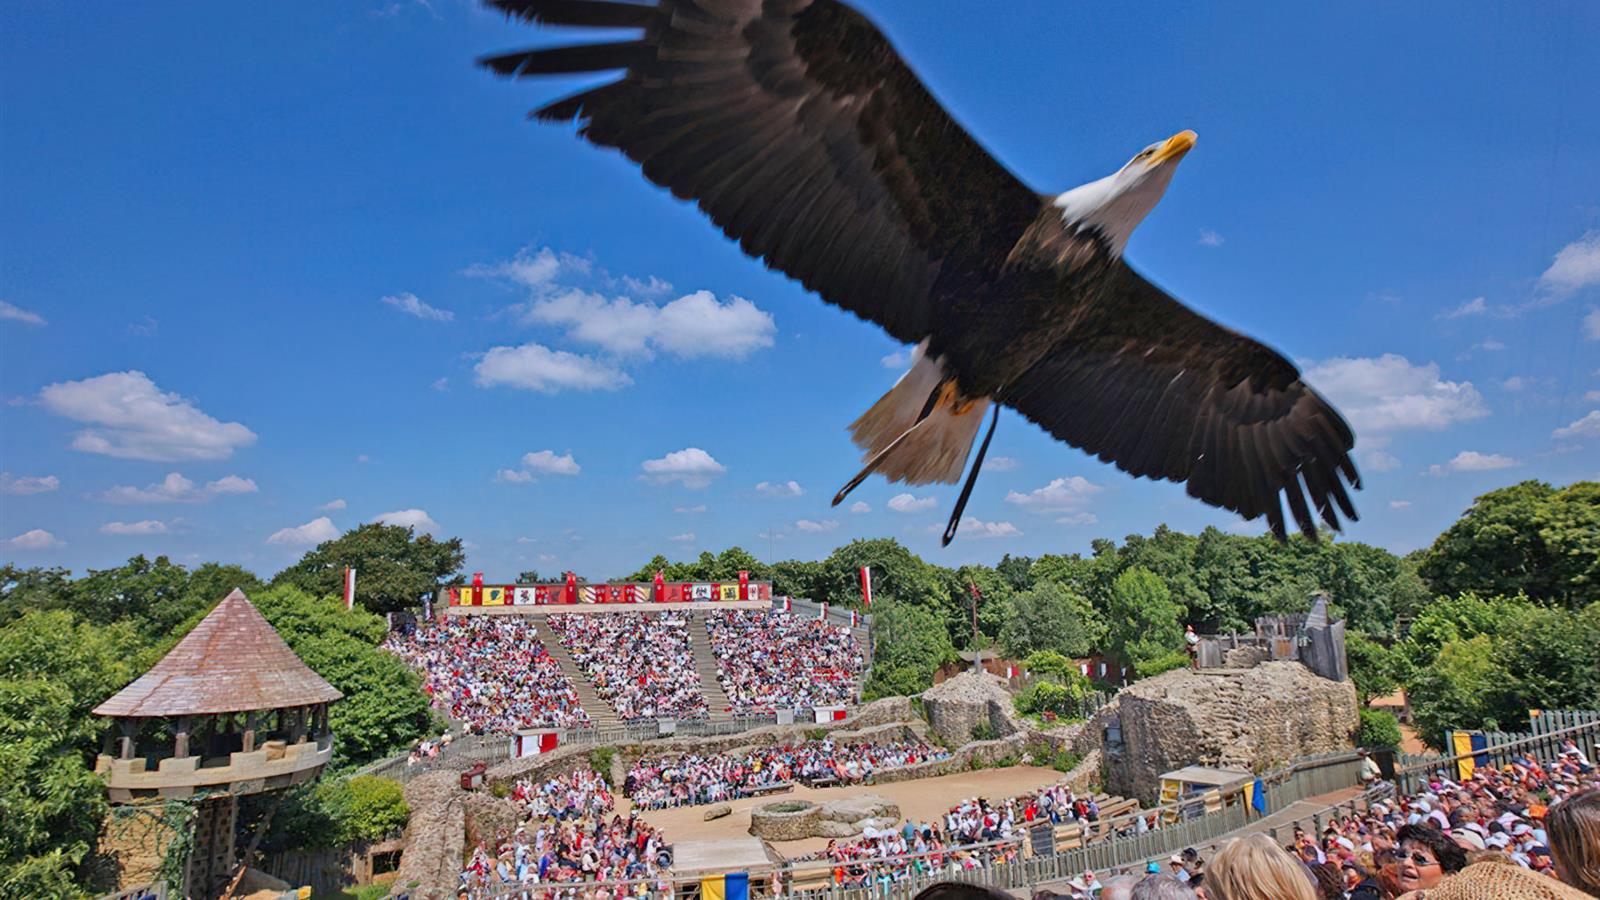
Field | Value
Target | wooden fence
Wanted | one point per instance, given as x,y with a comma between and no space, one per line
1548,731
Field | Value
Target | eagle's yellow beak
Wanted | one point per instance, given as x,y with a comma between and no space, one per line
1175,147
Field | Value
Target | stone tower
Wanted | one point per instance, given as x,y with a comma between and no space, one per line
230,711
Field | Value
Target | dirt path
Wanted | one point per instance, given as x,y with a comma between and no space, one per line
920,800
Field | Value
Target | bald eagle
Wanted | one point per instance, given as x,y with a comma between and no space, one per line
802,134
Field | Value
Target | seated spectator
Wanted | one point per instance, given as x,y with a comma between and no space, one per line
640,663
656,782
1161,887
777,660
1574,831
1254,868
489,672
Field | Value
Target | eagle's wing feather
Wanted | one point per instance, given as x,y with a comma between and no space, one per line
1163,392
799,130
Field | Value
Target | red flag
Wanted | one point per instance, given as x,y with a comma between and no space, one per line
570,594
349,587
744,585
661,589
866,585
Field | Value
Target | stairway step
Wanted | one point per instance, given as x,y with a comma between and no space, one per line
601,713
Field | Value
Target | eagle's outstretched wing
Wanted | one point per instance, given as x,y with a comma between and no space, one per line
1163,392
798,129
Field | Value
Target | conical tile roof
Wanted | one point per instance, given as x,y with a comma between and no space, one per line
233,661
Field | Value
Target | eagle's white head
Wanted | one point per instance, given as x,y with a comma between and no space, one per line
1118,202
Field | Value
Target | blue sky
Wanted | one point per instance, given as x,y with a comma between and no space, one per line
270,271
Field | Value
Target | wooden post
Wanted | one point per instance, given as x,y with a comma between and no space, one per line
249,745
180,742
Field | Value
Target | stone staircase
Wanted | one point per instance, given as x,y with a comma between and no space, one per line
601,713
705,663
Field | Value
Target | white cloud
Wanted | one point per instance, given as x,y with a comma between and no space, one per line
1491,345
897,360
1209,238
686,538
411,305
363,458
231,484
1477,306
441,384
1399,504
177,489
1473,461
779,489
808,525
536,367
310,534
1591,325
332,505
859,507
976,528
409,518
144,527
1389,393
618,325
28,484
512,476
1060,495
1379,460
1592,396
1516,383
1002,464
533,270
11,313
130,418
690,510
546,462
697,325
1083,518
1577,265
37,539
1586,427
146,327
692,467
905,503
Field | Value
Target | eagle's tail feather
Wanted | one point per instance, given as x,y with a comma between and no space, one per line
925,422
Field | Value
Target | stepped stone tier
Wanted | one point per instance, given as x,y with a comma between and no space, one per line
230,709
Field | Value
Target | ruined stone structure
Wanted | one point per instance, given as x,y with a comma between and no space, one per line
1253,719
795,820
966,701
227,712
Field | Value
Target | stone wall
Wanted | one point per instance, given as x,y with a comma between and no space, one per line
1255,719
435,837
962,703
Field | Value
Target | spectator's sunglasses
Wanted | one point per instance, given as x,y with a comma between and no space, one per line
1396,856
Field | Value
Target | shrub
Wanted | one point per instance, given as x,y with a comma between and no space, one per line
983,731
600,760
373,808
1166,662
816,734
1051,698
1378,729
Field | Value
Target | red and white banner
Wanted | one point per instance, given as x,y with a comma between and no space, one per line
744,586
826,714
822,614
787,604
660,592
533,743
855,620
349,587
866,585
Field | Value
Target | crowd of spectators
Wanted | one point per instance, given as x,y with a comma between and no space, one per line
569,833
490,673
778,660
1523,830
640,663
657,782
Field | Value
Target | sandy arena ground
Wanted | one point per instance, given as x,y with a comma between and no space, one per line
920,800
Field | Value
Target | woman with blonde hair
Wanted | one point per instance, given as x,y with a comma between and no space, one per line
1255,868
1574,829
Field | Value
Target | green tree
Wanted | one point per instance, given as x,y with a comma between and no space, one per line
909,646
384,709
394,566
1015,571
1145,623
897,574
1457,690
24,590
1379,729
54,669
1046,617
1373,667
152,595
796,578
1528,538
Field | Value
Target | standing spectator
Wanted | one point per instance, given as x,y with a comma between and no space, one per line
1574,828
